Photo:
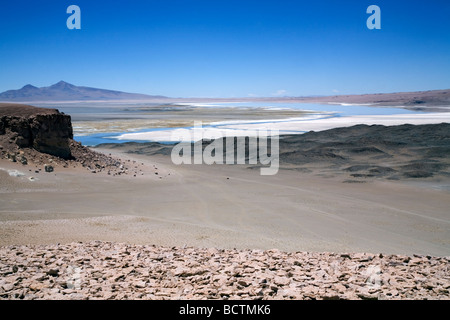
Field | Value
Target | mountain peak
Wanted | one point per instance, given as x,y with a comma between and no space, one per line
29,86
62,84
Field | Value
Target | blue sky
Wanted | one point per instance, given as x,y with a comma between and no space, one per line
217,48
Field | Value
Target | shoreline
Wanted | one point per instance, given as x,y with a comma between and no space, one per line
156,122
284,126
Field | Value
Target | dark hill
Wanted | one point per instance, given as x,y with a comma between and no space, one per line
63,91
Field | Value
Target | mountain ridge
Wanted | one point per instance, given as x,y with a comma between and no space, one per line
430,100
64,91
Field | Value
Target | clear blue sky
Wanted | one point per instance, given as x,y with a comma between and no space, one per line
227,48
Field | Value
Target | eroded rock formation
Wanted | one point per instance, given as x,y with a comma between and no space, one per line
45,130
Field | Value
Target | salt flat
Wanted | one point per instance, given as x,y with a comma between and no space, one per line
288,125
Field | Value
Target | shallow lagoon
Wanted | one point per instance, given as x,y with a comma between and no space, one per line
87,117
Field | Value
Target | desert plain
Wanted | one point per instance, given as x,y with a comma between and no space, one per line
387,199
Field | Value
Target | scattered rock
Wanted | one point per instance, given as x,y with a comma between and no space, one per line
108,270
8,287
367,296
11,157
139,284
53,272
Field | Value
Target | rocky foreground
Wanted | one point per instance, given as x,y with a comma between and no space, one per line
105,270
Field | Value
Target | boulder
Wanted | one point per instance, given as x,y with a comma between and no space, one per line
51,134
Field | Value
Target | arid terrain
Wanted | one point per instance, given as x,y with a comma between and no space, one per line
353,213
105,270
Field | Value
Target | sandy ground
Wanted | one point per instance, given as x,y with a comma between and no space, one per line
222,206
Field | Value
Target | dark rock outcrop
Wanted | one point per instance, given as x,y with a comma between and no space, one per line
39,136
45,130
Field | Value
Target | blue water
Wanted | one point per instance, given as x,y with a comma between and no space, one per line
111,111
99,138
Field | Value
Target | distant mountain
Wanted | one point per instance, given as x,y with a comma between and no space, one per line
63,91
